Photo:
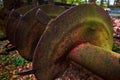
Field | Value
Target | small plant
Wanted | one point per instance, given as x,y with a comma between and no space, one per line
10,65
116,48
19,61
4,76
16,60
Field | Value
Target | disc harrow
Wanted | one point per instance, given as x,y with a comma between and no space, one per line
52,38
26,25
65,33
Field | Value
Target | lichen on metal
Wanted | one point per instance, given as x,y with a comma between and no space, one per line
77,25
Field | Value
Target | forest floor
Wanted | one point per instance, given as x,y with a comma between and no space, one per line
13,63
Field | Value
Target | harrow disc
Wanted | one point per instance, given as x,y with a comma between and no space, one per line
30,29
80,24
13,21
24,9
52,10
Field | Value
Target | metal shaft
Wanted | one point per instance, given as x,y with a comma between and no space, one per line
104,63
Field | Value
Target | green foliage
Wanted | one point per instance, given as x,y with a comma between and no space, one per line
5,60
75,2
9,64
1,4
116,48
4,76
15,60
19,61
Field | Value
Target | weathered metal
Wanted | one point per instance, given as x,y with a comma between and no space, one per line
52,10
13,21
30,29
8,4
80,24
100,61
82,34
42,17
22,10
11,18
28,33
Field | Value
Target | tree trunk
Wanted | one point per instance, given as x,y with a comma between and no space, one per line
63,1
101,2
29,1
92,1
108,4
117,2
85,1
40,1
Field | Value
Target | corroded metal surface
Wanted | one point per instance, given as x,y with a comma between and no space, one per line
28,33
13,21
52,10
104,63
80,24
30,30
42,16
22,10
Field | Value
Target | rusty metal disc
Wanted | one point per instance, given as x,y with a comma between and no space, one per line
80,24
24,9
11,25
28,33
52,10
30,30
13,21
